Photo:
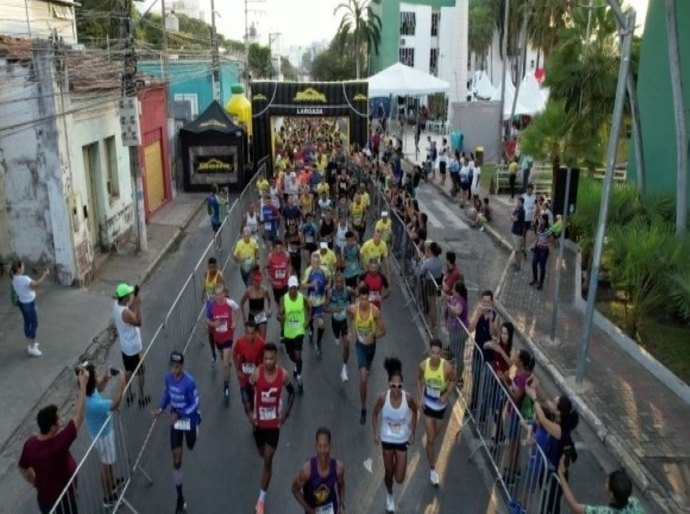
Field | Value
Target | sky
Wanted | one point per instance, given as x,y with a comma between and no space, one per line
300,22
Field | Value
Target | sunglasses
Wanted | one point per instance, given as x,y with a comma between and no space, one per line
396,386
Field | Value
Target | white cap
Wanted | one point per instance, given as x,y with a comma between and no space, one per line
293,282
323,245
384,213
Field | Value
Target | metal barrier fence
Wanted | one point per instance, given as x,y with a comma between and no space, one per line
525,477
111,462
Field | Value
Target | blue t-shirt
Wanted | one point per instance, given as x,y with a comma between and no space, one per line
182,396
291,214
213,209
309,231
96,412
315,180
319,277
269,217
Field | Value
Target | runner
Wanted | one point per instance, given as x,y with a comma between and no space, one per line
248,354
270,219
398,411
327,257
340,239
246,253
349,260
278,269
385,227
306,199
357,210
319,487
251,220
257,296
315,281
268,414
295,245
324,202
376,282
215,205
291,213
436,380
375,248
220,319
212,279
310,229
181,394
365,325
338,299
294,314
327,228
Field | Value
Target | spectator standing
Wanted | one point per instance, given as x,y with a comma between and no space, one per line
540,251
485,325
46,462
529,203
443,160
24,296
526,163
513,168
517,232
452,274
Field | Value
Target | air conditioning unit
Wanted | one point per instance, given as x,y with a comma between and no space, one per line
402,42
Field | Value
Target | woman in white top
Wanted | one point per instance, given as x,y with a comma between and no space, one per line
24,289
394,422
251,220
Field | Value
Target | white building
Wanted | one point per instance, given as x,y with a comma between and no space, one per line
493,64
39,18
189,8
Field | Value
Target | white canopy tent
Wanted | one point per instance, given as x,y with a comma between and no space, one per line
401,80
531,99
482,87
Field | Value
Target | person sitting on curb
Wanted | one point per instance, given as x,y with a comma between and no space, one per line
619,489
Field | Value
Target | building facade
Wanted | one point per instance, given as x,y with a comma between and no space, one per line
39,19
428,35
65,186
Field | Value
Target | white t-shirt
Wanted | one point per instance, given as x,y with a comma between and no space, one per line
22,286
443,154
530,204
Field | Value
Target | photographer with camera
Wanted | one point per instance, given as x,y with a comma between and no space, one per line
98,411
127,318
46,462
558,419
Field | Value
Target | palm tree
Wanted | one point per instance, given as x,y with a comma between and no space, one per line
679,109
546,22
481,27
360,20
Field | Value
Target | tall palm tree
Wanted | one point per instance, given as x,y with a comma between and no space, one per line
679,108
546,22
480,31
360,20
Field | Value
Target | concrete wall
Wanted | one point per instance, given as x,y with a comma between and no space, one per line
37,19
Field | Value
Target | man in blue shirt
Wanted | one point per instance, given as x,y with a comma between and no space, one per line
181,395
99,423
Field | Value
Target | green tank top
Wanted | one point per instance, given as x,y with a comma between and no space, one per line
295,316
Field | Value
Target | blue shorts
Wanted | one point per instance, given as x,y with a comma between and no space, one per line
365,355
317,312
215,226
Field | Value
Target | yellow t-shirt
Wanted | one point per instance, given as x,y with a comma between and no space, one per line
323,187
371,250
365,199
513,168
263,185
385,229
245,251
306,203
328,260
357,210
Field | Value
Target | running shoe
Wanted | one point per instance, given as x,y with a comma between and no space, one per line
259,508
433,476
33,350
214,359
390,503
343,374
181,505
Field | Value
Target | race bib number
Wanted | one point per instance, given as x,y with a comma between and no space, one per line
294,323
325,509
222,328
260,318
247,264
433,392
309,239
248,368
394,428
268,226
374,296
183,424
280,273
268,413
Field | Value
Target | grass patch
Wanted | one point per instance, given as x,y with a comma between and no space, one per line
487,175
667,341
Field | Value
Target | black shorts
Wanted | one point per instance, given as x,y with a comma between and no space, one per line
266,436
442,167
339,327
294,344
176,437
352,282
394,447
247,394
130,363
279,293
436,414
225,345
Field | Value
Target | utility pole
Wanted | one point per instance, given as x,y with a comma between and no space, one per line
215,57
616,122
246,45
129,89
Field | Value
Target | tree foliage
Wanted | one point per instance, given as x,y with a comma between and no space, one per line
287,69
337,62
361,22
260,65
481,26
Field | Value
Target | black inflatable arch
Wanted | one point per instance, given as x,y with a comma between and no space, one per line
270,98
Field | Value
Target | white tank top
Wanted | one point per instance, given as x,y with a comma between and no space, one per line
395,423
128,335
340,239
253,222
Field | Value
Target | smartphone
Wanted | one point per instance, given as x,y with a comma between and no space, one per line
114,372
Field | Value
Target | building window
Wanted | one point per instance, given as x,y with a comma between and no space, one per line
191,98
62,12
112,177
408,23
406,56
433,61
435,17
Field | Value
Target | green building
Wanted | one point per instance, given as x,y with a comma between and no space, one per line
656,98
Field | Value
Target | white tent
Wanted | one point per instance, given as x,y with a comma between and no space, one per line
482,88
531,96
401,80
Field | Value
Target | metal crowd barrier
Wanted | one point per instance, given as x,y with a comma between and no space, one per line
93,483
527,481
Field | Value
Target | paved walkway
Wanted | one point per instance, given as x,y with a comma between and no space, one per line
642,422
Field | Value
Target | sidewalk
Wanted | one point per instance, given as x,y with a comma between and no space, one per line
640,421
72,322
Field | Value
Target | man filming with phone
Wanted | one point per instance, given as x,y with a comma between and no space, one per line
127,318
100,425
